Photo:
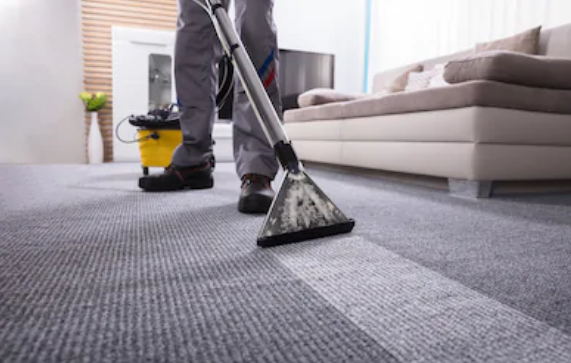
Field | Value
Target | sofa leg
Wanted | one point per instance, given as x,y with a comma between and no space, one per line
470,189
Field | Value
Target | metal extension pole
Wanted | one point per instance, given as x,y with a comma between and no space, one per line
301,210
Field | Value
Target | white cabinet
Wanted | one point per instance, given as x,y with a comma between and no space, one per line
134,51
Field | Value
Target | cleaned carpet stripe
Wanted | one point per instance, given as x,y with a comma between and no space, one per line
93,270
417,314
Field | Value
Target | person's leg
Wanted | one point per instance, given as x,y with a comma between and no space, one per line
256,163
197,51
196,55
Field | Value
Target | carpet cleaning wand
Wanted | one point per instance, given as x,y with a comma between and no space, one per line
300,211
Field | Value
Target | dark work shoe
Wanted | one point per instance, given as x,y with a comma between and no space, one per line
178,178
257,194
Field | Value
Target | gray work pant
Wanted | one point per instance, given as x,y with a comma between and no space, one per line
197,53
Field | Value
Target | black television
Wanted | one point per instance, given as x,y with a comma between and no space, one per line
300,71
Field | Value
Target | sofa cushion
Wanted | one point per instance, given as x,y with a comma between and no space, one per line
318,130
426,79
525,42
418,80
554,42
511,67
332,111
400,82
437,79
323,96
481,125
467,94
470,124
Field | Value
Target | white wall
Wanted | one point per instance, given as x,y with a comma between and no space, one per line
329,26
41,116
412,30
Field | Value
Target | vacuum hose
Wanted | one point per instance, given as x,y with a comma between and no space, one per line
227,81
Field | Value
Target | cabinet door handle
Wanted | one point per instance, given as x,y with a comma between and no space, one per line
148,43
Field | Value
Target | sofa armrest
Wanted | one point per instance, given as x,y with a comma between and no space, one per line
324,96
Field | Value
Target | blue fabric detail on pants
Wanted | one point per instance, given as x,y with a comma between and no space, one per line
266,64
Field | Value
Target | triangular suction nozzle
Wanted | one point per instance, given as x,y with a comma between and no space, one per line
301,211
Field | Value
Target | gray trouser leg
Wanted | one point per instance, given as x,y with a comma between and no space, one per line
256,28
197,51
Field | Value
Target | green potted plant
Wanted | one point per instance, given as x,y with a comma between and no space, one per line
93,103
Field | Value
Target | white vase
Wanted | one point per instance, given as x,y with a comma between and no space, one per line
95,141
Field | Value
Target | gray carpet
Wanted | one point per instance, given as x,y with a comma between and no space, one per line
93,270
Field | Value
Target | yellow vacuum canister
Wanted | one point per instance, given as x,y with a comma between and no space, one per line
156,147
158,135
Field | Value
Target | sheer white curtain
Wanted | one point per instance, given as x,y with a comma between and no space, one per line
405,31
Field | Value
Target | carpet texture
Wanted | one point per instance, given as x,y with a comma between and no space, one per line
93,270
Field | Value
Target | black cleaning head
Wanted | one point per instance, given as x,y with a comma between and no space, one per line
300,212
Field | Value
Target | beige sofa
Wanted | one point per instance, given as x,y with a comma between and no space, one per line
472,133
